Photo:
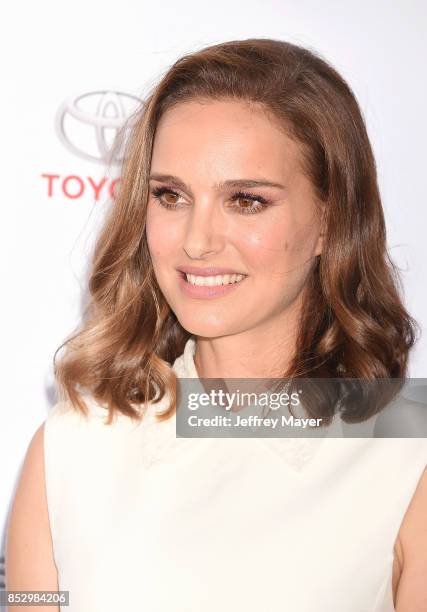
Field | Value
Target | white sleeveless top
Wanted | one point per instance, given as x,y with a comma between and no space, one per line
144,521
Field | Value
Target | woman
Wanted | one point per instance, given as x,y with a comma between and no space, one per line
249,164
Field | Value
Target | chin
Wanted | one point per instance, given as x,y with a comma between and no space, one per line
204,328
213,328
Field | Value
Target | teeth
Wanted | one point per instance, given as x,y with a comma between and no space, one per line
211,281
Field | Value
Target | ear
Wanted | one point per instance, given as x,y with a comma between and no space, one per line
319,245
322,231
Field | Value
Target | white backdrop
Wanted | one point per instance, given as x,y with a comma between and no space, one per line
52,53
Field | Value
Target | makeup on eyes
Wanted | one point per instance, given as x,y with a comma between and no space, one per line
262,203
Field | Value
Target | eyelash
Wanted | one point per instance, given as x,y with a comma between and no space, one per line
157,192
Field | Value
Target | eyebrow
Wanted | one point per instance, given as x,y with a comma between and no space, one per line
236,183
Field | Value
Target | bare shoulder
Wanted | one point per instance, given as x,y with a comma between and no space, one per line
411,587
29,554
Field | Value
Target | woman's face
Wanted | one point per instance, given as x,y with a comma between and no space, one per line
205,154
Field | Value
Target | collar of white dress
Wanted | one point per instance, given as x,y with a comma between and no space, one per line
184,365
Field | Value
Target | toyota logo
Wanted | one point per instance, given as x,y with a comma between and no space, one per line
83,121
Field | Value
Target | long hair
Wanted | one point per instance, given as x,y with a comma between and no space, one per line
353,322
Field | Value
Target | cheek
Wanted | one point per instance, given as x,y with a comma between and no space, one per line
277,248
161,236
267,246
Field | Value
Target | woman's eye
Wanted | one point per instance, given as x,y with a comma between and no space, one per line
246,203
160,193
251,203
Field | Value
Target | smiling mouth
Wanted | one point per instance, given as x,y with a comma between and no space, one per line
212,281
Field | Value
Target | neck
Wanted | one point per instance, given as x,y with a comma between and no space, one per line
260,353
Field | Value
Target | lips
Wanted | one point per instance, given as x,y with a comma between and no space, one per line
207,291
208,271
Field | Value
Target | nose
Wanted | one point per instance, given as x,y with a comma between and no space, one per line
205,231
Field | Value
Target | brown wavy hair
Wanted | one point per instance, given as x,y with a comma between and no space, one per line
353,321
